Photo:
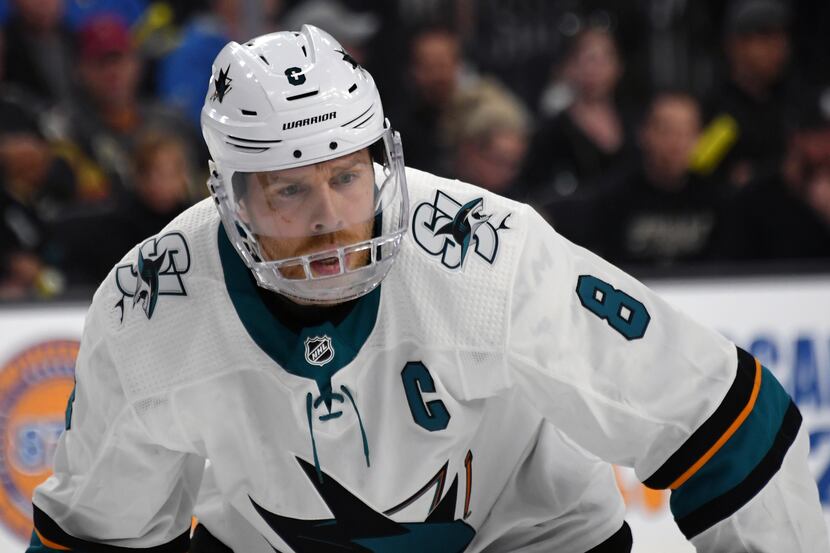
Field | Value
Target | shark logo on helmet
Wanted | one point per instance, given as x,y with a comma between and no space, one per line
158,271
348,58
222,84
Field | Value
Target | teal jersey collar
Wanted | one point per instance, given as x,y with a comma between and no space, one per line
317,352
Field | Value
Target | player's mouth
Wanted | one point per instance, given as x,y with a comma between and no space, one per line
325,267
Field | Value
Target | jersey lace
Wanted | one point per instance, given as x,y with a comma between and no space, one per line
329,396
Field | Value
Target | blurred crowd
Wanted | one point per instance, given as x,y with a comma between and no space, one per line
658,133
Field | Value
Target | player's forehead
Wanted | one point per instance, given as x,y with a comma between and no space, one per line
360,158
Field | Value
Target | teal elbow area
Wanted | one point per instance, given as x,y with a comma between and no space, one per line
743,465
36,546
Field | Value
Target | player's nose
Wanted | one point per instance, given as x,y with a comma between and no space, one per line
326,215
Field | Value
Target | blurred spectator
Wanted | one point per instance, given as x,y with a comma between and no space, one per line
351,29
32,173
162,174
435,74
39,57
34,186
786,215
98,133
581,169
30,170
78,12
745,139
572,150
487,128
656,212
181,77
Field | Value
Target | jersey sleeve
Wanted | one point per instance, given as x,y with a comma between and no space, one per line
114,485
640,384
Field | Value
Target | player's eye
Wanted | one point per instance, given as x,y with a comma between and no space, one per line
345,178
289,191
279,196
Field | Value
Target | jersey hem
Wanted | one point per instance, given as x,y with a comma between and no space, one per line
57,538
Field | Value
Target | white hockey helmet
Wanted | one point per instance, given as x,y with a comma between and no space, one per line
291,99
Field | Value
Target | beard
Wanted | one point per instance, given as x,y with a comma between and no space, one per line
284,248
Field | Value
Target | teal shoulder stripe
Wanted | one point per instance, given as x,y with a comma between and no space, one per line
740,455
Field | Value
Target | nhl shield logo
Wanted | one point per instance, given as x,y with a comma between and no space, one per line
318,350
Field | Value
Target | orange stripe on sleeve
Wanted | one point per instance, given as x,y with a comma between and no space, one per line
50,544
726,435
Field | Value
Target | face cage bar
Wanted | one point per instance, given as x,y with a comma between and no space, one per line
373,245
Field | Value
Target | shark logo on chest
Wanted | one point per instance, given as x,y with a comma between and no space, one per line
357,527
161,262
447,229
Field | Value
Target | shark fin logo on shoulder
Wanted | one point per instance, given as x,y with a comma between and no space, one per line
450,230
157,271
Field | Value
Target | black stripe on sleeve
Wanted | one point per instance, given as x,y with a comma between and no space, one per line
620,542
712,429
723,506
52,532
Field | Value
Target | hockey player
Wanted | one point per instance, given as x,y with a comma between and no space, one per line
347,355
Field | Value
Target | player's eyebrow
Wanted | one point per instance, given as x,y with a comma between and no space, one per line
348,164
269,179
352,159
349,161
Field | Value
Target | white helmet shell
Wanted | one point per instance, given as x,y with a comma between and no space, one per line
290,99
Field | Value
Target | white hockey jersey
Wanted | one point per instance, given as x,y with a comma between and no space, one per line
451,410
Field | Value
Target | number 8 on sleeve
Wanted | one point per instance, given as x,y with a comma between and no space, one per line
623,313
